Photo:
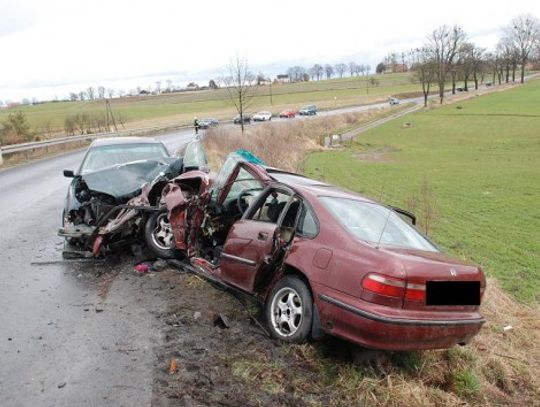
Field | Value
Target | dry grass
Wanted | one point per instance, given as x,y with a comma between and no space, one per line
497,369
285,144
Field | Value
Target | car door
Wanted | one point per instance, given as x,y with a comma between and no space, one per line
253,241
194,156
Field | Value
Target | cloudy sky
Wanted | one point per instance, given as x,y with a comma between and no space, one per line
52,47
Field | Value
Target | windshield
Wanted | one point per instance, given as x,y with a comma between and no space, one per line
376,224
102,157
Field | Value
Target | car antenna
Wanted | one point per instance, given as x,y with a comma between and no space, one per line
384,228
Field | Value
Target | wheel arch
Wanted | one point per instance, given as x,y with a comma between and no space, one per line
290,270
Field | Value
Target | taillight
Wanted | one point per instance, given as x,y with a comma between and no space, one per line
415,292
382,285
391,291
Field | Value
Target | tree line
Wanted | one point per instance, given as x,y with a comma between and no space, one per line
317,72
449,55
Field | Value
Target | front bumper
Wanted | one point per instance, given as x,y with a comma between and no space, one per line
407,332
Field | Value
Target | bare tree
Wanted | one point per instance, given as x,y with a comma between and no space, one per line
524,34
352,68
158,87
340,69
360,69
110,93
329,70
477,61
296,73
101,92
91,92
316,71
237,84
425,70
443,43
82,95
73,96
465,59
169,85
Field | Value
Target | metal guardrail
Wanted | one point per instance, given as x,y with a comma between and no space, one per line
27,147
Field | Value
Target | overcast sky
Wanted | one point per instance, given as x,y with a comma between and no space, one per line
52,47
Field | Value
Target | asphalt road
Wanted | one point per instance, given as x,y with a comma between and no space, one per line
67,338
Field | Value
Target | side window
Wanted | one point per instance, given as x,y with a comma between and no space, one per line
270,209
307,226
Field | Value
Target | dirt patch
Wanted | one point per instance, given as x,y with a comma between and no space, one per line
377,155
212,362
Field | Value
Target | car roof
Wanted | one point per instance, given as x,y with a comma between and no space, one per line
109,141
309,186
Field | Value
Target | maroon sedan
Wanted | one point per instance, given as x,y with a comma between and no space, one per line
321,259
288,114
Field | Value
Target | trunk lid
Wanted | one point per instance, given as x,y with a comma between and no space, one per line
449,283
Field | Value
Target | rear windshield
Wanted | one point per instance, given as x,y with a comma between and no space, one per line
376,224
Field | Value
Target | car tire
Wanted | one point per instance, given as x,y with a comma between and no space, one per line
159,236
289,310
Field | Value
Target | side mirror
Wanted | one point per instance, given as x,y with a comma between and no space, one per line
69,174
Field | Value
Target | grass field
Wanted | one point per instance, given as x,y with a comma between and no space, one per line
481,158
182,107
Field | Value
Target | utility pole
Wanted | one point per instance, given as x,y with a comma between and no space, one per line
109,115
271,103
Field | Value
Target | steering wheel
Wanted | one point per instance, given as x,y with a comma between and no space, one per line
240,203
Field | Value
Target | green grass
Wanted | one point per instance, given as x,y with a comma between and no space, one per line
482,160
347,91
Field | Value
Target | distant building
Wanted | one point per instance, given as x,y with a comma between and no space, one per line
395,68
283,78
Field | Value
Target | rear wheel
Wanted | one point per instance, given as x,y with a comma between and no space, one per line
159,236
289,310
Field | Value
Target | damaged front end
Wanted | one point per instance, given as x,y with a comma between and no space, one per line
107,208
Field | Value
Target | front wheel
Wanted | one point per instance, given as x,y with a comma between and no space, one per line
289,310
159,236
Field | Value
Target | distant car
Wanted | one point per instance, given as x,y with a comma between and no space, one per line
207,123
262,117
310,110
288,114
393,101
246,117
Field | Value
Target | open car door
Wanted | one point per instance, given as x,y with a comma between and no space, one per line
254,242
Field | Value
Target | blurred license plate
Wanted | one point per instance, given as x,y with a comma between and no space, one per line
453,293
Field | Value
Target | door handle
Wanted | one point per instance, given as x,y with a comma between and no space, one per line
262,236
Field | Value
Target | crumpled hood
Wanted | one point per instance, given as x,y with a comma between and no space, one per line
125,179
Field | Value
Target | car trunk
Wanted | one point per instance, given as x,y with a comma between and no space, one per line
449,284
